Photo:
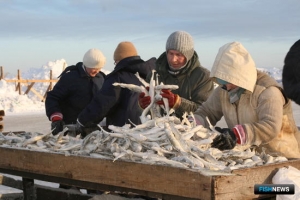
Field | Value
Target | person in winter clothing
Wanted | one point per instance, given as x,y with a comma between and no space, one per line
118,105
291,73
253,105
179,65
74,90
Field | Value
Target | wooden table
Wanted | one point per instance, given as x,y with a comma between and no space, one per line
150,180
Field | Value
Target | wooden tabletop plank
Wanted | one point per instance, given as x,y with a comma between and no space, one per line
152,178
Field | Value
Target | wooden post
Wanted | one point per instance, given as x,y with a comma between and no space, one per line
28,188
29,87
2,113
50,86
1,73
18,87
64,67
29,84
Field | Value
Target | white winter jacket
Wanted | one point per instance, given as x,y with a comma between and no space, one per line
262,110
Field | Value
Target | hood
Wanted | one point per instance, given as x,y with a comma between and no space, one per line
235,65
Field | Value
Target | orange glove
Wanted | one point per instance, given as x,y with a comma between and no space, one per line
174,99
144,101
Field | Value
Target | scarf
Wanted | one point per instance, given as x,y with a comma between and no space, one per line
175,71
235,94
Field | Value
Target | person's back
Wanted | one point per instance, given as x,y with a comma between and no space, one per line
291,73
74,90
118,105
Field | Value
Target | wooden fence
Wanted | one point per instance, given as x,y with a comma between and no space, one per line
29,84
2,113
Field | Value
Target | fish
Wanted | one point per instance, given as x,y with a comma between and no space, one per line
36,138
161,139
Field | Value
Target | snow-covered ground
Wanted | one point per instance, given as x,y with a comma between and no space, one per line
27,112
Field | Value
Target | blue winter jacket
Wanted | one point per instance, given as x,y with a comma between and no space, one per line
118,105
72,93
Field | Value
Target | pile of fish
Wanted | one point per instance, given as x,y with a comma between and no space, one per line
163,141
158,140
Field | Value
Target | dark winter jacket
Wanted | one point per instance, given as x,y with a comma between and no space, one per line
118,105
193,81
291,73
73,92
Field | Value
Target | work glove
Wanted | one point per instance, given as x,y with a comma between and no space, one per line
144,101
57,124
174,99
84,131
226,140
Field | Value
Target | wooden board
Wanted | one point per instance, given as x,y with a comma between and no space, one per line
152,178
241,186
159,179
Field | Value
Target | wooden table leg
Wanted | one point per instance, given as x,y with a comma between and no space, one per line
28,189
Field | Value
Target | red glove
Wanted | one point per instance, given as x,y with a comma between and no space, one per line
57,116
240,134
144,101
57,123
174,99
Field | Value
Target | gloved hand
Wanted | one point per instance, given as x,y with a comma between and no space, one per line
57,124
226,140
84,131
144,101
174,99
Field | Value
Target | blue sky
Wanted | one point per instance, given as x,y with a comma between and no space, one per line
36,31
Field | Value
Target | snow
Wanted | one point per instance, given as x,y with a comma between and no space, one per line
13,103
17,106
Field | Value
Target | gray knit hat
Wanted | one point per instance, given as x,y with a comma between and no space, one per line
181,41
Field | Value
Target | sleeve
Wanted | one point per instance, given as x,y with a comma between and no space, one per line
102,103
269,114
59,93
199,94
211,108
186,106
